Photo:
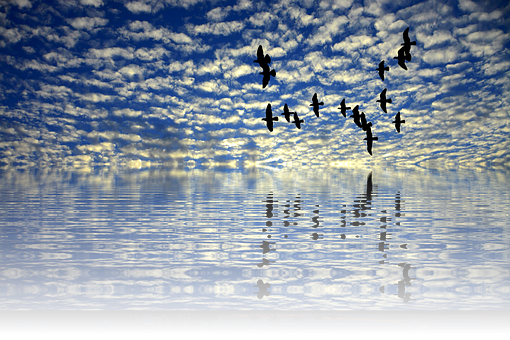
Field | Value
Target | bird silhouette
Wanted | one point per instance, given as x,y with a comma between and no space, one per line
401,58
370,139
269,118
364,124
286,112
407,44
355,115
381,69
344,108
267,75
397,122
315,103
261,60
297,121
383,100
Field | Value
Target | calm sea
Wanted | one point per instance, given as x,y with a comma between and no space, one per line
261,239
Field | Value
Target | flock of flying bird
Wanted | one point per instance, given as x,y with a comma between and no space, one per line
404,54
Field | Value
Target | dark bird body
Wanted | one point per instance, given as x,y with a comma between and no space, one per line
287,113
364,124
401,58
407,44
397,122
297,121
261,59
267,75
383,100
344,108
355,115
315,103
369,140
381,69
269,118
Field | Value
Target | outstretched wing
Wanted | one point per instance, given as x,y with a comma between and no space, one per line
406,36
260,53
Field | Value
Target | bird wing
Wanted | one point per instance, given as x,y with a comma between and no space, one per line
406,36
260,53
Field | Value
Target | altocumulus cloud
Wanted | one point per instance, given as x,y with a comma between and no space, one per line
151,82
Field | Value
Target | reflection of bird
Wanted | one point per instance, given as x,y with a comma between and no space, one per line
355,115
407,44
263,289
383,100
266,73
401,58
397,122
287,113
369,140
315,103
266,247
381,69
297,121
269,118
265,262
261,60
344,108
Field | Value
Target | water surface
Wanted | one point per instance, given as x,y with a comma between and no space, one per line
268,239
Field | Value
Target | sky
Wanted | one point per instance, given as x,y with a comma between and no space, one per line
96,83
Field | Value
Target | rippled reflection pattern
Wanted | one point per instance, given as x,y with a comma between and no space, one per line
259,239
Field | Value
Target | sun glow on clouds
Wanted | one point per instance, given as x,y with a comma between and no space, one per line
149,82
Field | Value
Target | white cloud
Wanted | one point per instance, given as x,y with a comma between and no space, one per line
218,13
468,5
95,3
438,37
138,6
441,56
325,33
87,22
126,53
22,3
352,43
127,112
262,18
220,28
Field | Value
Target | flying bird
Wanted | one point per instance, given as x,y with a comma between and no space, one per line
381,69
315,103
364,124
344,108
267,75
383,100
261,60
407,44
397,122
286,112
297,121
401,58
269,118
369,140
355,115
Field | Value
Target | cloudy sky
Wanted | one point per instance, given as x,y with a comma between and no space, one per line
142,83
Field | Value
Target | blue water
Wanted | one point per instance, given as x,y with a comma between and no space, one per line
266,239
